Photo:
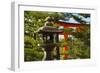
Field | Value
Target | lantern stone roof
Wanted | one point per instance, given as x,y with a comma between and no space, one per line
49,29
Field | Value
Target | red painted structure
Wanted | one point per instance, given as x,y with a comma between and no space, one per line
69,25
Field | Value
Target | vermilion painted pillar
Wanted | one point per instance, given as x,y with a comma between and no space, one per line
65,47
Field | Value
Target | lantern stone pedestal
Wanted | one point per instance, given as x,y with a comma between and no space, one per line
50,36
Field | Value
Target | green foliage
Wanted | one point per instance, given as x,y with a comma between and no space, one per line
69,52
81,44
63,43
84,35
32,50
68,30
34,54
33,20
